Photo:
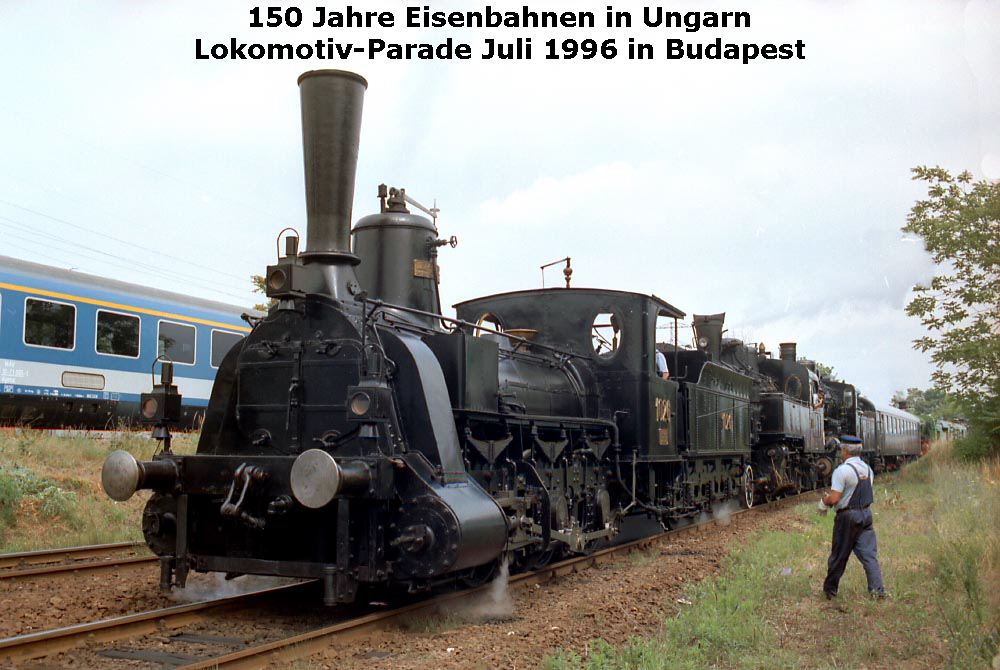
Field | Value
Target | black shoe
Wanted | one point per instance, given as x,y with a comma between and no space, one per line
878,595
830,595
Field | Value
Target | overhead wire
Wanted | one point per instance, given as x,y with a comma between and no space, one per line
116,239
133,264
76,248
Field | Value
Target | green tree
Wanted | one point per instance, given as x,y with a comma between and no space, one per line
959,222
258,287
933,402
930,405
826,371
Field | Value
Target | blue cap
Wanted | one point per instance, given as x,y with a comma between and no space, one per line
850,439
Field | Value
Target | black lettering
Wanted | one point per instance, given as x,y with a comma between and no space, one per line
236,50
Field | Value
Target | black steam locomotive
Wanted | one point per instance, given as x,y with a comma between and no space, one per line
359,437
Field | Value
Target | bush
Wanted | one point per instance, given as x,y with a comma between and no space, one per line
10,494
18,484
980,444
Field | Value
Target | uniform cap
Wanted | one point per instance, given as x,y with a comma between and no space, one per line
850,439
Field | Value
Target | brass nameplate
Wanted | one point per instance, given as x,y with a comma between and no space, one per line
422,268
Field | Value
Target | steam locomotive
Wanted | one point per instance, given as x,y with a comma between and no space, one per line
358,437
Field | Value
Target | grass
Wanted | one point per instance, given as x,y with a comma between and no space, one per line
50,492
431,624
940,555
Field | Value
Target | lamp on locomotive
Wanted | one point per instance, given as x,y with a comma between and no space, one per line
162,405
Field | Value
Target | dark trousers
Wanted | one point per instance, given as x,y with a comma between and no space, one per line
852,531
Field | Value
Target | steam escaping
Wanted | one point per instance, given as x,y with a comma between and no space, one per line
493,604
214,585
723,512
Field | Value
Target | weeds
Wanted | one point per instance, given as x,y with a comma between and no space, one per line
431,624
52,482
21,486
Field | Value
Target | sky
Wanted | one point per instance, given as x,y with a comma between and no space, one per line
773,191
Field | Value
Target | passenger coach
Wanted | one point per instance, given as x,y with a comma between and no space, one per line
77,350
891,436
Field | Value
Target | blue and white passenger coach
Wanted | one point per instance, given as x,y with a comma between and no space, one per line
77,350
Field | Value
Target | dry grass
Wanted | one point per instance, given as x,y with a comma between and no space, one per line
940,554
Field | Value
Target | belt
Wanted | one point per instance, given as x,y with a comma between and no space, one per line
847,508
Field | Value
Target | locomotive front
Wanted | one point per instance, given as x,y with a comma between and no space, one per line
329,449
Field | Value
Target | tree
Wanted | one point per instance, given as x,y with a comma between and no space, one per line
826,371
933,402
258,287
959,222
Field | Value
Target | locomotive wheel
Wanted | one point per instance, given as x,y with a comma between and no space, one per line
748,487
540,559
481,574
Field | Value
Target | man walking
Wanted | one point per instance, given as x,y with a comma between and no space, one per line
851,493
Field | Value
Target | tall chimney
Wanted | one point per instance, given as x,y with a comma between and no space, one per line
787,351
331,131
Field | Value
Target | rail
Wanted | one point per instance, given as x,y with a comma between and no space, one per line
37,645
72,559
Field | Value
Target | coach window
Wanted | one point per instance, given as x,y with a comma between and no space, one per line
117,334
176,342
222,342
49,324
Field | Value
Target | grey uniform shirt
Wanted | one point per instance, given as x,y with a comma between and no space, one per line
845,481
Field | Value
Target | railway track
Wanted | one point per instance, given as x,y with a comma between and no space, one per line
73,559
238,653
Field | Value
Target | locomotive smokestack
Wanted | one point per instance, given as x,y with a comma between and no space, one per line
787,351
331,131
708,330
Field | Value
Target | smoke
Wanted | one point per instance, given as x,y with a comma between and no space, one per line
214,585
493,604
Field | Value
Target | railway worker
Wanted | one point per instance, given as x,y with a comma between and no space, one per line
851,493
661,365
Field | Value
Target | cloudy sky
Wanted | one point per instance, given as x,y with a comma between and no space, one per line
773,191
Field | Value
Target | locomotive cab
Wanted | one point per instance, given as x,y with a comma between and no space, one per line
609,338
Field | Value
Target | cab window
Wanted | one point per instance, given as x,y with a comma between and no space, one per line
605,334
